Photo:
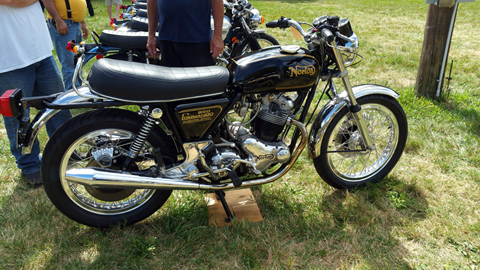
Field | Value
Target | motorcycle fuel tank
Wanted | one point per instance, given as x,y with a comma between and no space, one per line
277,68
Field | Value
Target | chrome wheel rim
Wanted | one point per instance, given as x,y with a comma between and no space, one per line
104,201
346,155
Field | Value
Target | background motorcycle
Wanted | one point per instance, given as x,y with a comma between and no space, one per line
244,35
213,128
129,41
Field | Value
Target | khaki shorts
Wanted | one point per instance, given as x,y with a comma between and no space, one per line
110,2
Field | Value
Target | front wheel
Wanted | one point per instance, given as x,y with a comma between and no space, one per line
344,162
253,44
102,138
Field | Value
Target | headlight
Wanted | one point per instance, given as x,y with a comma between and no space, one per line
349,50
256,18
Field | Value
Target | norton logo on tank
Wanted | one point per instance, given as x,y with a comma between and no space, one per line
302,70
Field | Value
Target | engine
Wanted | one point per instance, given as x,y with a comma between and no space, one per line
268,119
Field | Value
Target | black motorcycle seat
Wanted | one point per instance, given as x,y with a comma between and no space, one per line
138,82
132,40
140,4
141,13
139,23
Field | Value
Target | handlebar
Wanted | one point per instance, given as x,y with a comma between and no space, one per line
284,23
240,5
227,4
325,31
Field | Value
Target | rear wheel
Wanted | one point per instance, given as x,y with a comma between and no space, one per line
102,138
344,163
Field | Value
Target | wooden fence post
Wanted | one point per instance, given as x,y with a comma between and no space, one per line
436,42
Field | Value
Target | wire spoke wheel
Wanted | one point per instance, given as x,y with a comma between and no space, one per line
99,144
345,162
347,159
102,139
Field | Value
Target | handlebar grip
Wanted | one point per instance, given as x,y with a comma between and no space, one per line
327,35
282,23
238,7
272,24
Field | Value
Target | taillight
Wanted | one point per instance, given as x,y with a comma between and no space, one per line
70,45
10,103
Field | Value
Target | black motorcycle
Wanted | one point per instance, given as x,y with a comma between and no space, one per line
212,128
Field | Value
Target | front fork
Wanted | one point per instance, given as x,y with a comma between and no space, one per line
355,108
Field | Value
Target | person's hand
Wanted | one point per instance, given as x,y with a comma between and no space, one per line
152,46
62,27
216,46
84,28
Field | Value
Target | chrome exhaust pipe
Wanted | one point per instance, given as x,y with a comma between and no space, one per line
100,178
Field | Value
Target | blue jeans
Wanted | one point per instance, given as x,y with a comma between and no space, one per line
39,79
64,56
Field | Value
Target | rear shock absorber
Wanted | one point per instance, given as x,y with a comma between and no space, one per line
140,139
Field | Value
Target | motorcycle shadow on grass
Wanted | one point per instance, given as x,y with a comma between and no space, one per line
326,230
338,227
35,233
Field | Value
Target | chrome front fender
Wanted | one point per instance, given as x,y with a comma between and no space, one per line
70,97
332,108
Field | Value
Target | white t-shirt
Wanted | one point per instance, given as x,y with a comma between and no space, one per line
24,37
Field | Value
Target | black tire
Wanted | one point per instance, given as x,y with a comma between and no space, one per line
263,41
388,127
73,146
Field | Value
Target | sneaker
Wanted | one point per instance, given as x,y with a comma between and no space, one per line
34,179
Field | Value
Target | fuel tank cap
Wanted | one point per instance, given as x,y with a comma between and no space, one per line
290,48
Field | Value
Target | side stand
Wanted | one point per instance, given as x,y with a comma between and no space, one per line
221,197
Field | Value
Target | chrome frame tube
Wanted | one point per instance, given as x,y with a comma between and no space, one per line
69,97
78,74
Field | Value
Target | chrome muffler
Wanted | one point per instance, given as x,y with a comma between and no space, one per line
100,178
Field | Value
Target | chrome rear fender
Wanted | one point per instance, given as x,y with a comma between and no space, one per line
70,97
331,109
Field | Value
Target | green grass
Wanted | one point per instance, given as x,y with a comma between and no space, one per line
423,215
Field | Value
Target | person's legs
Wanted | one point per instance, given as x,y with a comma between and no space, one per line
64,56
118,5
194,54
117,10
178,54
41,78
109,11
24,79
109,8
169,57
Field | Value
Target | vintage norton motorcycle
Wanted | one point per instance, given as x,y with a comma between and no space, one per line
159,129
